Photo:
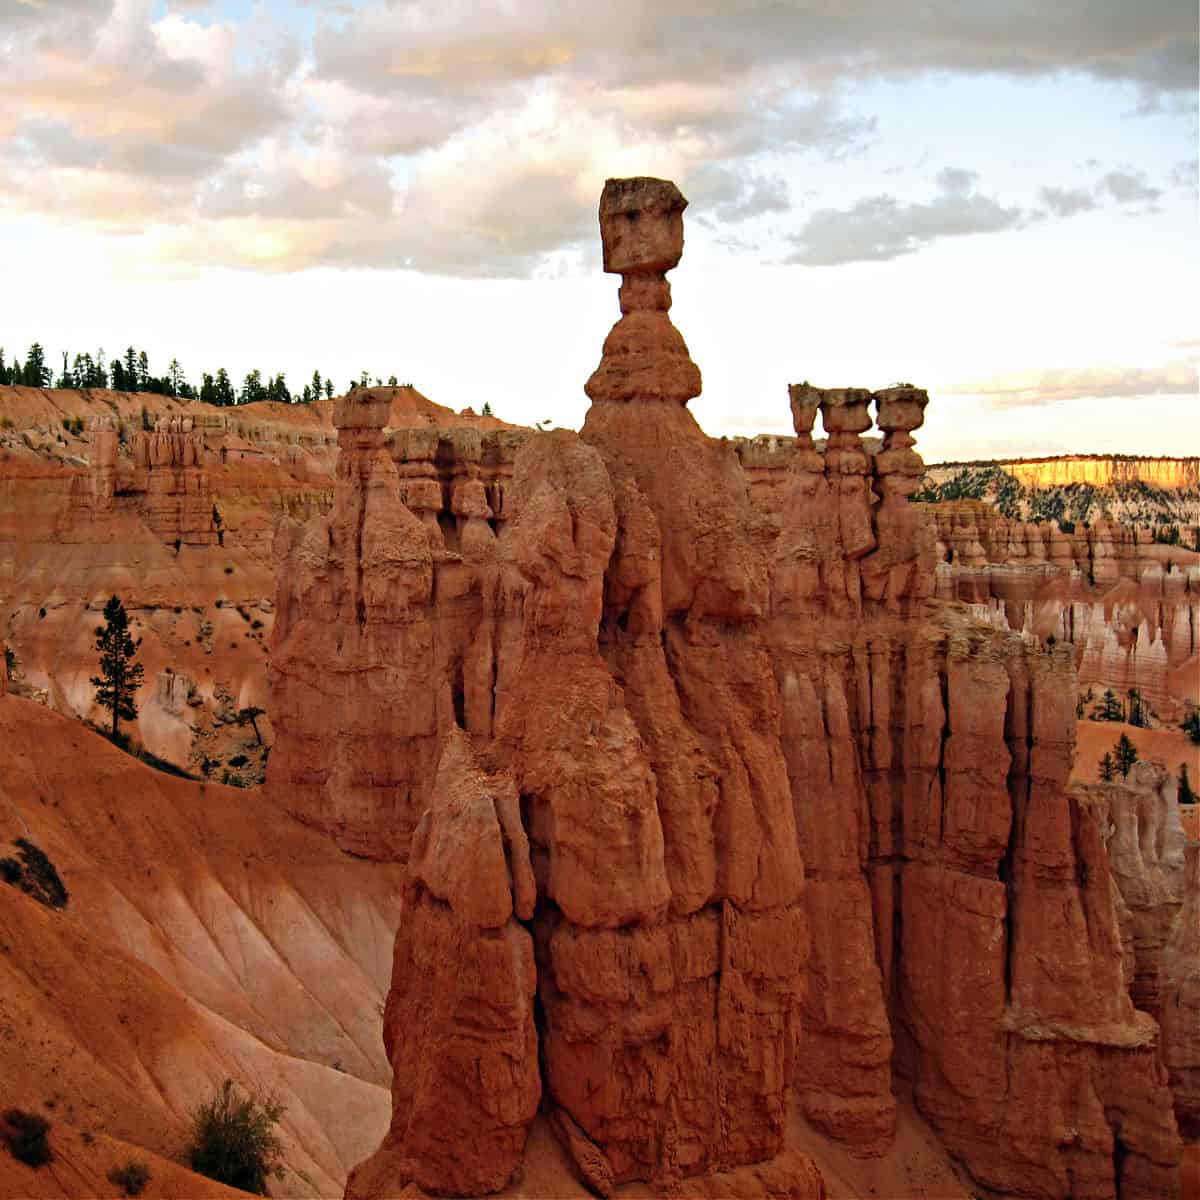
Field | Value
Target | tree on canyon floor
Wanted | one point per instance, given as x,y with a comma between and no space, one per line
1126,755
1186,795
1191,725
1109,708
120,675
1108,767
234,1140
250,715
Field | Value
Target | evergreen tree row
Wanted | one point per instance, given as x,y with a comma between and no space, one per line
130,372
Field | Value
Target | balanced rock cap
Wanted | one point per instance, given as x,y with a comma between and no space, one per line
641,225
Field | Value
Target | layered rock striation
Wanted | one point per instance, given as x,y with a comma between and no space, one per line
706,808
1179,999
1130,607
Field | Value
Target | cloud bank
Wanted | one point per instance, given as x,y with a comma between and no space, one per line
472,138
1022,388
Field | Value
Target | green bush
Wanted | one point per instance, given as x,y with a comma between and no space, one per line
35,875
131,1177
24,1133
234,1141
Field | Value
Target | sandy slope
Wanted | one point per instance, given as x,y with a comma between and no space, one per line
1170,746
207,936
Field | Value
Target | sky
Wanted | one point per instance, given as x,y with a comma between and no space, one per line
996,201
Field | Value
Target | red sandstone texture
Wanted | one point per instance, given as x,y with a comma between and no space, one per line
1130,607
778,822
1179,997
204,938
171,505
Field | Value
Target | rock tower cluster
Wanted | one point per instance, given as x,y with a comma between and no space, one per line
167,481
706,808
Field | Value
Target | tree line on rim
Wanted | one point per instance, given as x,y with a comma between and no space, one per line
131,372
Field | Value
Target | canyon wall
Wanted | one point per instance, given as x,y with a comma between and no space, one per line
171,505
708,805
1128,605
1105,470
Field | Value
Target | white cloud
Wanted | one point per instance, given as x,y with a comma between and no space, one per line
1022,388
1067,202
880,227
471,137
1128,187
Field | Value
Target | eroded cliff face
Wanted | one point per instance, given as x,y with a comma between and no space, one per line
169,504
1179,998
1129,606
747,811
1178,473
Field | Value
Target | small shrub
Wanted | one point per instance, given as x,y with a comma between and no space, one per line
35,875
131,1177
234,1140
24,1133
1186,794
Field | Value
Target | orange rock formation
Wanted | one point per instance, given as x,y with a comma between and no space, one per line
605,706
171,505
1179,997
1055,472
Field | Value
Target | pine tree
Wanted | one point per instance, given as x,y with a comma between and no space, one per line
277,389
252,388
1186,795
143,372
37,374
1191,725
224,389
120,676
131,369
1109,708
1108,767
1137,712
1126,755
328,389
175,375
118,375
316,384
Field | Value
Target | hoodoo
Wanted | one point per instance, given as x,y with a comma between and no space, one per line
708,806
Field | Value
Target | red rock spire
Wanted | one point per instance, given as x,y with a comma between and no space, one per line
645,357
